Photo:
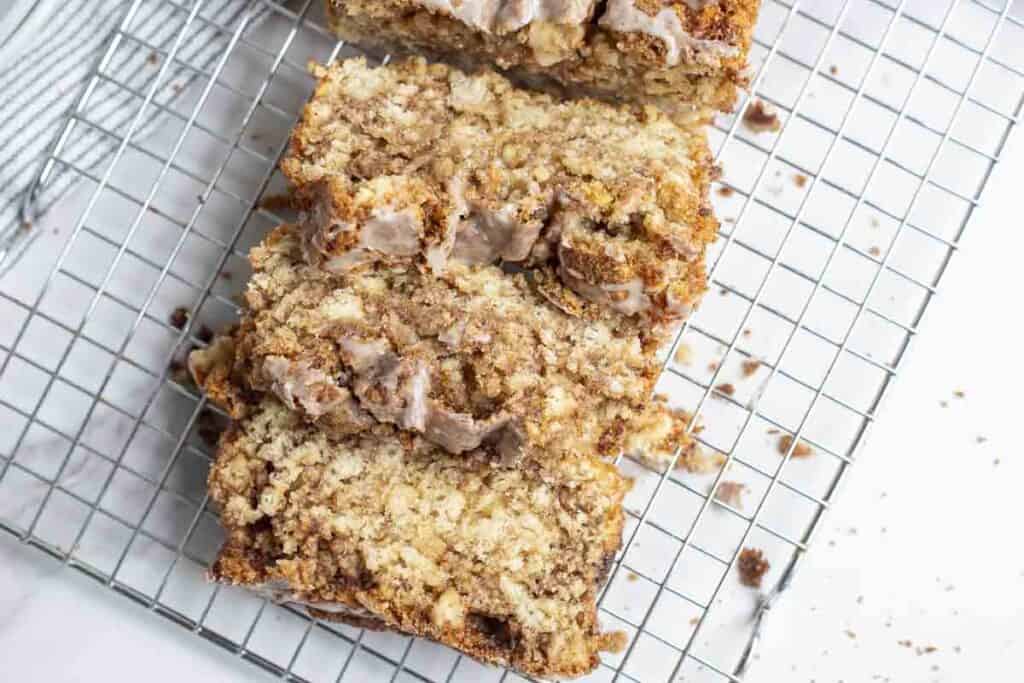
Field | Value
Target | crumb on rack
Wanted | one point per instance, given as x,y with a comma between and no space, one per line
802,450
758,117
750,367
850,634
726,191
959,393
204,334
209,428
752,567
874,222
800,180
726,388
277,202
684,354
631,577
153,58
875,251
697,460
712,366
179,317
834,70
731,493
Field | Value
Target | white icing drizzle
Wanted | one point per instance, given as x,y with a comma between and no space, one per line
511,15
624,16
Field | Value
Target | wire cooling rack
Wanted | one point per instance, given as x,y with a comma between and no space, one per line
836,231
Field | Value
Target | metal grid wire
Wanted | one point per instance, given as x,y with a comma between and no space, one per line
836,232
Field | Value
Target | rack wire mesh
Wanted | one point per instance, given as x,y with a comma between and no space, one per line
836,231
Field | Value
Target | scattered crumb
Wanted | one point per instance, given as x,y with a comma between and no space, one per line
731,493
860,599
747,332
204,334
959,393
25,226
727,389
712,366
209,428
726,191
176,88
179,373
179,317
750,367
904,643
996,462
226,275
700,461
694,621
631,577
723,291
277,202
834,70
850,634
773,431
752,567
800,180
980,439
759,118
684,354
927,650
729,219
874,222
802,450
957,649
875,251
944,404
153,58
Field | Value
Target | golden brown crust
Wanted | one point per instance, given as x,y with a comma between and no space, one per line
501,563
423,162
625,61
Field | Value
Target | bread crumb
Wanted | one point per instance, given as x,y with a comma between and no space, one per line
904,643
700,461
875,251
277,202
772,431
712,366
850,634
980,439
694,621
684,354
153,58
731,493
944,404
802,450
179,318
631,577
758,117
752,567
750,367
927,650
874,222
747,332
800,180
959,393
834,70
727,389
726,191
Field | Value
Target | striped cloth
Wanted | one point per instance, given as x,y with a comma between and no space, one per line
48,51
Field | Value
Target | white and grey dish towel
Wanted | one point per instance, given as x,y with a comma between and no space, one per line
49,51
